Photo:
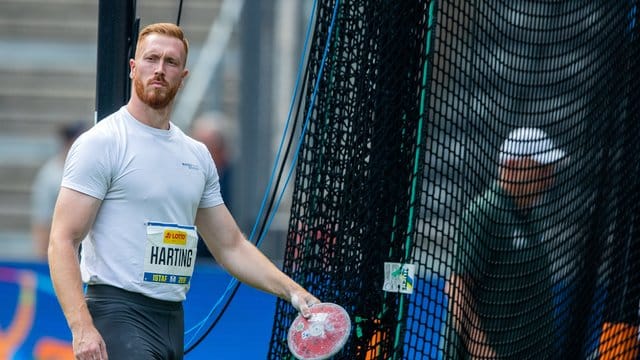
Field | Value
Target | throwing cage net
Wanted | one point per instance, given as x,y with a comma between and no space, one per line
408,104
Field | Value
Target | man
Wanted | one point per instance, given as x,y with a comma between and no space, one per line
137,185
44,190
500,291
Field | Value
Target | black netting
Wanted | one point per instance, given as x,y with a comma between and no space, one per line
414,101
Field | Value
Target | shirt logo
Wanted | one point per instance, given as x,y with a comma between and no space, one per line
190,166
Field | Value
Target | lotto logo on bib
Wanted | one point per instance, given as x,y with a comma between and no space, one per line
175,237
170,253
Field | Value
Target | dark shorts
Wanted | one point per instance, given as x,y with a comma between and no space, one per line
135,326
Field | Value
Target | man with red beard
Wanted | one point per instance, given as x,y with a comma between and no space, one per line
140,190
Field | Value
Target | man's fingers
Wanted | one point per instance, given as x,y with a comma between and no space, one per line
303,305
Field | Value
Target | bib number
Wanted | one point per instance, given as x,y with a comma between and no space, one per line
170,253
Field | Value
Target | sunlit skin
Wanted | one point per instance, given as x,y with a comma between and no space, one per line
158,72
526,180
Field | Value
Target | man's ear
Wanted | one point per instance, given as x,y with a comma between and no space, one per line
132,67
185,73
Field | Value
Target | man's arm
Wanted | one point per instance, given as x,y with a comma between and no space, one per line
72,218
246,262
465,319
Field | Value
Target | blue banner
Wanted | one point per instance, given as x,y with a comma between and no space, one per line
32,325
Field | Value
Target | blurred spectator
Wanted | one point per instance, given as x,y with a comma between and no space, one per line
44,191
501,291
216,131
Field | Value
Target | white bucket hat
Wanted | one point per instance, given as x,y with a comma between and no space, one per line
530,142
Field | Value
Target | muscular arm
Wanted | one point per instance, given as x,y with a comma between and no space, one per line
72,218
246,262
466,321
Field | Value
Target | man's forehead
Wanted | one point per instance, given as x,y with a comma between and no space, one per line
162,43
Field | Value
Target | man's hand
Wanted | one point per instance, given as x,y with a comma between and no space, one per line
302,301
88,344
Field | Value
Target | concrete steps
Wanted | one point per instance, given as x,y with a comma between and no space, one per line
76,21
47,78
49,20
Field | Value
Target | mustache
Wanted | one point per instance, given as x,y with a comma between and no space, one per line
160,79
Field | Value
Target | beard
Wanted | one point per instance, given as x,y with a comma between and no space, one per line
156,98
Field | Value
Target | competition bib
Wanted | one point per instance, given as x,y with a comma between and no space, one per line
170,253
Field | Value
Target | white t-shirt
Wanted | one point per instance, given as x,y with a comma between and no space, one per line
143,176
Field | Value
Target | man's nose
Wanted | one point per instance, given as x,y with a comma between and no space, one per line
159,69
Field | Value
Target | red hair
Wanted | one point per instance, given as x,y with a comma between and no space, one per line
167,29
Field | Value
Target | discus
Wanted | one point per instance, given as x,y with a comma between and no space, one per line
321,335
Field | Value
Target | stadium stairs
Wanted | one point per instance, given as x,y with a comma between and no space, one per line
47,77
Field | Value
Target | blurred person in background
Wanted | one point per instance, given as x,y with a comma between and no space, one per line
215,131
45,188
501,298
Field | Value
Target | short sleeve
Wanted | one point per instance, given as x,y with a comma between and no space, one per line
88,165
